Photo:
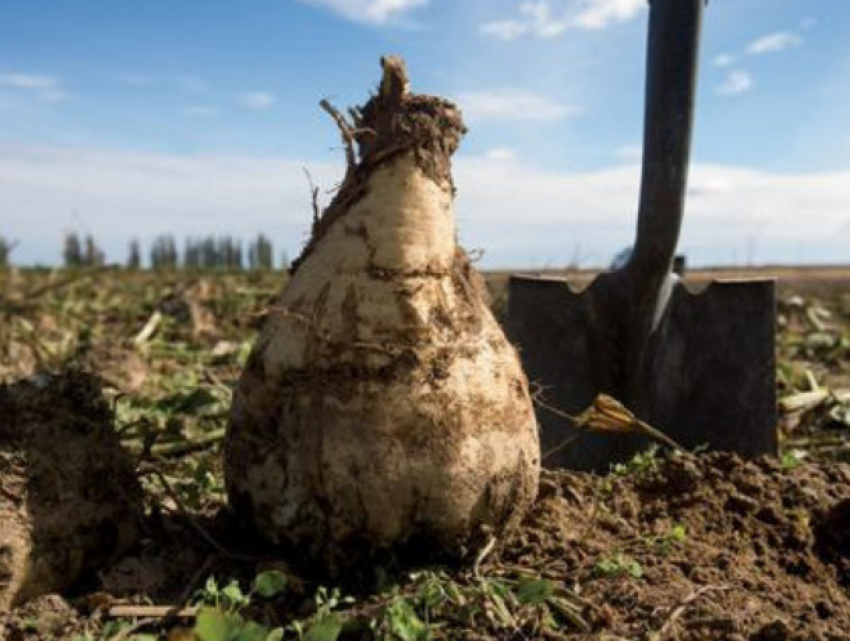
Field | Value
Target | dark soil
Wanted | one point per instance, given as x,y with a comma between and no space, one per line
764,554
690,547
69,500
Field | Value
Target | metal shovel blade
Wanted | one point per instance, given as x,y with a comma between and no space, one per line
698,366
708,378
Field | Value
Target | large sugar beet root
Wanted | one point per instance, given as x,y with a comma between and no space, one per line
382,408
69,500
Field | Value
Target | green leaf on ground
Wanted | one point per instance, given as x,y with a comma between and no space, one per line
534,591
270,583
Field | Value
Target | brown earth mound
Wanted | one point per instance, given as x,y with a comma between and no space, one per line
692,547
69,500
708,547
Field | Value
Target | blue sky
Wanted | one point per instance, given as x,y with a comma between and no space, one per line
126,118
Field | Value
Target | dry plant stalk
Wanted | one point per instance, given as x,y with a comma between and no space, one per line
607,414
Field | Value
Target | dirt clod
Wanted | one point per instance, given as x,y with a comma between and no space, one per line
69,499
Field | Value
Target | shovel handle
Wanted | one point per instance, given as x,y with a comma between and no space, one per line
672,53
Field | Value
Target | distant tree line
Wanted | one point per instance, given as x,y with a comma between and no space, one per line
212,252
6,248
82,252
223,252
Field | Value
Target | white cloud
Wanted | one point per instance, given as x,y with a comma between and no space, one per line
375,12
186,83
630,153
525,216
511,104
708,183
118,195
541,20
27,81
505,29
538,18
520,214
501,154
47,88
599,14
723,60
737,82
774,42
256,100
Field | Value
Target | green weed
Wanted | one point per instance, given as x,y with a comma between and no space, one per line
616,566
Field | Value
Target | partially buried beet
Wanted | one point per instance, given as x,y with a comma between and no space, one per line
382,410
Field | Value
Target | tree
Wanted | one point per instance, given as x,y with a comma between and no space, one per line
164,253
6,248
134,256
94,256
191,253
73,250
261,253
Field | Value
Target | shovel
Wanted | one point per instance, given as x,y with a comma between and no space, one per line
698,366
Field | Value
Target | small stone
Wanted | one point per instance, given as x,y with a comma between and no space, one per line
742,504
776,630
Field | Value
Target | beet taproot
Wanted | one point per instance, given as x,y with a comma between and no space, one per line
382,408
